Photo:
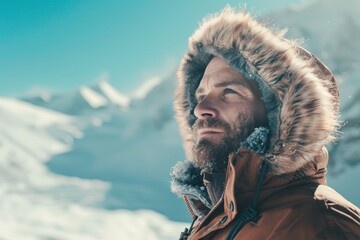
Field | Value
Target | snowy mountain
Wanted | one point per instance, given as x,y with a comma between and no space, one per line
94,163
133,149
38,204
111,95
82,101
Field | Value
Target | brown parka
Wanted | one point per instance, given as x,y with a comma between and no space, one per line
275,185
294,206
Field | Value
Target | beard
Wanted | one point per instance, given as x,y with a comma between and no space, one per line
214,155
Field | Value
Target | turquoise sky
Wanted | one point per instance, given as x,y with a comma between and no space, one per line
61,45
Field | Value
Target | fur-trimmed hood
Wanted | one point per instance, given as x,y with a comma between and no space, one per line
300,93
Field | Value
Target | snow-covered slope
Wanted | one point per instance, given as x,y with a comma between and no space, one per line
38,204
30,217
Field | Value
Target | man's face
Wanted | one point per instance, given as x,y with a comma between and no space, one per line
229,108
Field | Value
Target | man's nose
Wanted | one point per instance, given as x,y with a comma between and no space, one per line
205,109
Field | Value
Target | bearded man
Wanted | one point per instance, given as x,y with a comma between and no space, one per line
255,111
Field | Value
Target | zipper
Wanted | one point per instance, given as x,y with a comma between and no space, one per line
189,207
221,198
214,207
207,215
210,212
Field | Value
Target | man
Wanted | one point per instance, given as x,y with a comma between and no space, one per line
255,111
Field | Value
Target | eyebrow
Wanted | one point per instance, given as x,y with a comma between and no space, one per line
228,83
222,84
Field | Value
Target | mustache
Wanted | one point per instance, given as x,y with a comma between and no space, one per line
210,123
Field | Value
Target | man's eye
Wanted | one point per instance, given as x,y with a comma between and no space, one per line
229,91
200,98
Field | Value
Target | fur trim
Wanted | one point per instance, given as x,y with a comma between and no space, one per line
257,141
186,180
300,93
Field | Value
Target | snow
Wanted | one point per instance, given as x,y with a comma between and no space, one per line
45,96
33,217
146,87
37,116
113,95
23,123
38,204
94,99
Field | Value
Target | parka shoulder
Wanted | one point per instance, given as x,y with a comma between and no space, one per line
342,218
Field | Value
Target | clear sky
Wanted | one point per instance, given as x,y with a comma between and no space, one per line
61,45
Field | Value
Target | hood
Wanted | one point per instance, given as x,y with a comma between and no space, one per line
299,92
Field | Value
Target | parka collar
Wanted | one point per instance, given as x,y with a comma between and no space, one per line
243,176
